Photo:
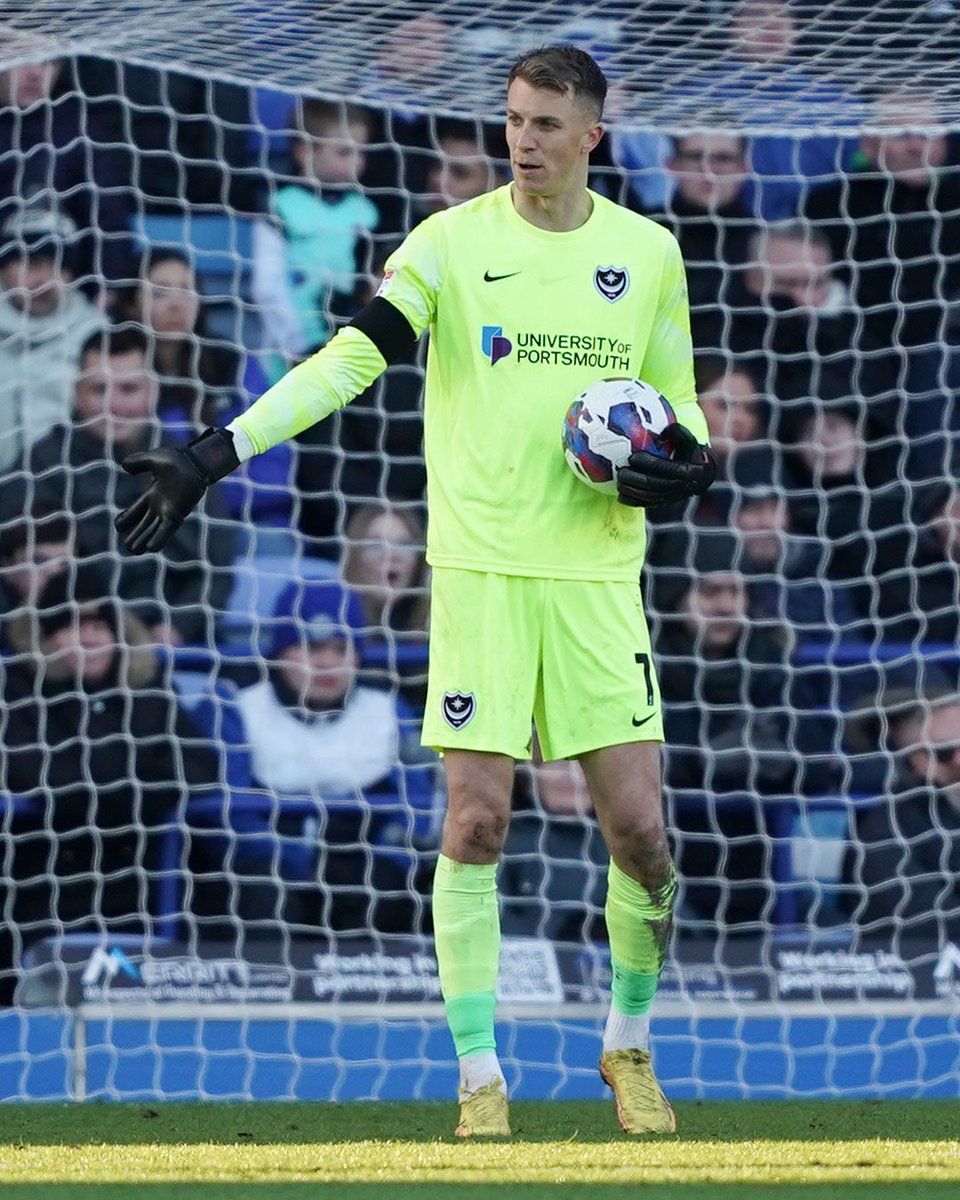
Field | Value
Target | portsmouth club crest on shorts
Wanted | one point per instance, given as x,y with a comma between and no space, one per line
458,708
611,282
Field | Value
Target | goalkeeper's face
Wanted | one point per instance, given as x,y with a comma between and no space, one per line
550,136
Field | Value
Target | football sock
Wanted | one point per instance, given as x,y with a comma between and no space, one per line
477,1070
466,925
638,924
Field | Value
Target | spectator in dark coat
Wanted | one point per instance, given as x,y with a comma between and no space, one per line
101,758
840,492
894,221
793,322
787,583
707,212
182,139
904,855
761,79
76,469
921,600
54,154
735,726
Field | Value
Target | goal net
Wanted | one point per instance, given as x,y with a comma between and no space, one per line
219,826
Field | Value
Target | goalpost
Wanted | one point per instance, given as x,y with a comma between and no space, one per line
234,985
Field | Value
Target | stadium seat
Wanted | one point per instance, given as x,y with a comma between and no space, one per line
818,842
220,244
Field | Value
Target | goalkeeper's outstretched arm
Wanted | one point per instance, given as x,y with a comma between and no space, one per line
345,367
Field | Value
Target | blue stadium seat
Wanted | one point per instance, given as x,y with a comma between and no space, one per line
818,842
220,244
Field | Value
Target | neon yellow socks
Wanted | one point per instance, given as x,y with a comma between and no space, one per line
466,926
638,924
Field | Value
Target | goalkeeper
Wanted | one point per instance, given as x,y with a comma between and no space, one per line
530,293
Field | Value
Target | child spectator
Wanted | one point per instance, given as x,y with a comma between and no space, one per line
308,262
44,320
205,381
314,731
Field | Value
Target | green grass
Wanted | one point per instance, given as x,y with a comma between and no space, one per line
569,1150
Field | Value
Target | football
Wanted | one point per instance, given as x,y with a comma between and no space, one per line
608,422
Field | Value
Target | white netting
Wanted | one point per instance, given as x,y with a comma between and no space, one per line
173,829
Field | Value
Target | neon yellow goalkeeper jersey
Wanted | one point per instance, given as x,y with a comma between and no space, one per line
521,320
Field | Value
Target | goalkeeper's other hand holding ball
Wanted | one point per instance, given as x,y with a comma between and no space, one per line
180,477
651,481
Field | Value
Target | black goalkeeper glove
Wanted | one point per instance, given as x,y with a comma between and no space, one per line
180,477
649,481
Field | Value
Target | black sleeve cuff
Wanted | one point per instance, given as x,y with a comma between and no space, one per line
387,328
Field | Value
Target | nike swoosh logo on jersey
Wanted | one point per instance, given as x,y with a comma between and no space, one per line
488,278
648,717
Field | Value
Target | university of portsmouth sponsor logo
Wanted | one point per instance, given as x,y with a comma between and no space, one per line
611,282
598,351
494,345
594,350
458,708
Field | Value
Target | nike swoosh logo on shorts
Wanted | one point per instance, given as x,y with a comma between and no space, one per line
488,278
648,717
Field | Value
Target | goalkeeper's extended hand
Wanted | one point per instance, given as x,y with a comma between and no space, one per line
649,481
180,477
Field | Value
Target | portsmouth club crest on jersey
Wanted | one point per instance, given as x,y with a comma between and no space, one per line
458,708
611,282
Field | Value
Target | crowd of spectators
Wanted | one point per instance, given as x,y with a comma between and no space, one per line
824,277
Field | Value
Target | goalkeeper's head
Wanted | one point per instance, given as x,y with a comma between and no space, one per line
555,98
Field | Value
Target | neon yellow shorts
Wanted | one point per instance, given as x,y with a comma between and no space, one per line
571,656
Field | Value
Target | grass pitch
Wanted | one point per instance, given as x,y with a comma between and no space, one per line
565,1150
